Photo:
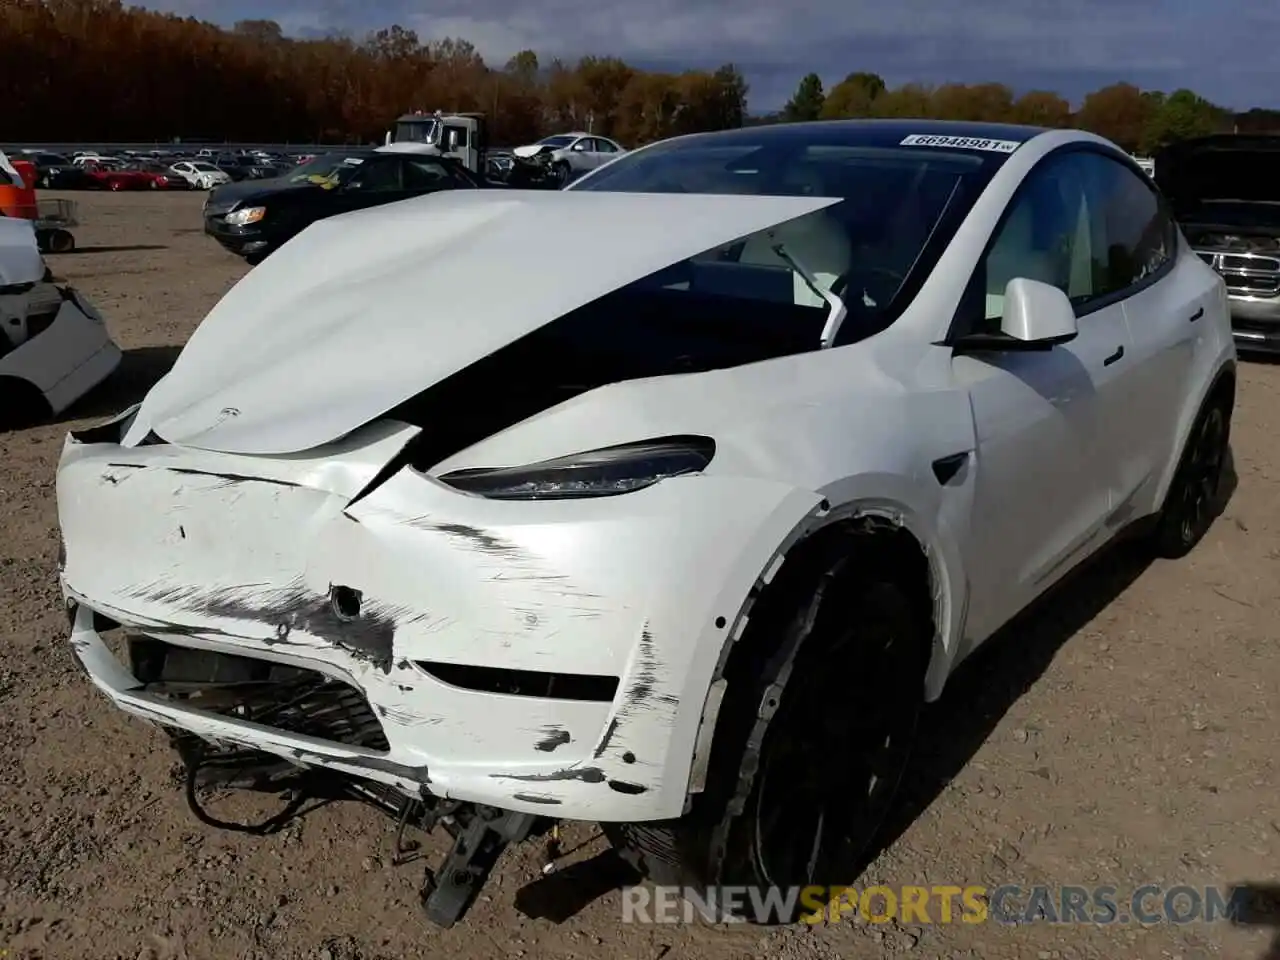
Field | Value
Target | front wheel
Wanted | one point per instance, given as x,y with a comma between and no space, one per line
826,765
1192,501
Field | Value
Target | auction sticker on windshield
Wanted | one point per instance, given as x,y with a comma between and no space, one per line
960,143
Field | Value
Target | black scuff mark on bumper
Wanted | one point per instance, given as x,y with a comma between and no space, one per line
585,774
404,718
553,737
368,637
642,691
535,798
418,775
229,478
606,739
514,564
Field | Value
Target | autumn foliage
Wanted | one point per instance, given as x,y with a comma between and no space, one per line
95,70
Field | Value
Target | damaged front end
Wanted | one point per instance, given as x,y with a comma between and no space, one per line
334,586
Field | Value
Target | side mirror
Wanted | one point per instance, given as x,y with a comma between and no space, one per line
1037,316
1036,312
580,147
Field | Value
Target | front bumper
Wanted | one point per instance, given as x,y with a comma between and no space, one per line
1255,323
242,241
608,617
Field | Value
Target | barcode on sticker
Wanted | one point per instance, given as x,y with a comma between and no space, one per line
960,143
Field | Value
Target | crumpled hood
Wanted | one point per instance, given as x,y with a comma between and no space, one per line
531,149
360,312
20,260
1220,167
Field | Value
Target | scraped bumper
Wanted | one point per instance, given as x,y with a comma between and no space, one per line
551,658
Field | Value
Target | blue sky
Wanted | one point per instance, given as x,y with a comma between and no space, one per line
1223,49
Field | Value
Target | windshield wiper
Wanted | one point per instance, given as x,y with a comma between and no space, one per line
839,311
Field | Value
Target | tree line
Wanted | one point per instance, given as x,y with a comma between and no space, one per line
96,70
1141,121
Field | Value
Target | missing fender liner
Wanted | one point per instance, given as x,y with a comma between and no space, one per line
859,522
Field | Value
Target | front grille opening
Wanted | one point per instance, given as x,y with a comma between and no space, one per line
1251,285
523,683
291,699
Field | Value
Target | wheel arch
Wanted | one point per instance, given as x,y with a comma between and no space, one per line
886,530
1221,385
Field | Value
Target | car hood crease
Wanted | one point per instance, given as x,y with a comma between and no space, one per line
360,312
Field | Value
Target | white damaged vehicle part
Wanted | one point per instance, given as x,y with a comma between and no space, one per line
674,532
363,311
54,345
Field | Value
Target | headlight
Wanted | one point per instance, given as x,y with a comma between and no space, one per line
246,216
597,473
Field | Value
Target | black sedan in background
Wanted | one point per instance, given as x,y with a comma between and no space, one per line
254,217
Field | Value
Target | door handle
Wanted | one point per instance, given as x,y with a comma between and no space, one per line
1114,357
1197,315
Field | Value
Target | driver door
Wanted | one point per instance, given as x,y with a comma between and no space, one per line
1047,423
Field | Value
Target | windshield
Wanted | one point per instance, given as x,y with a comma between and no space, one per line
871,249
330,167
556,141
205,168
423,131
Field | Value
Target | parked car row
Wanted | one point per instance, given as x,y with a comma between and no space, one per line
202,170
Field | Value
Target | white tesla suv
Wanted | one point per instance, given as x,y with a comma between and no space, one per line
663,501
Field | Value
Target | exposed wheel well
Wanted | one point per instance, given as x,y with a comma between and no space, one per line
865,545
874,543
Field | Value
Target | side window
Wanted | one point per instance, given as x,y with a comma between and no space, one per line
606,146
455,138
377,176
1083,223
1050,234
1140,233
423,175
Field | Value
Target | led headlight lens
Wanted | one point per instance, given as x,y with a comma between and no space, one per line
596,473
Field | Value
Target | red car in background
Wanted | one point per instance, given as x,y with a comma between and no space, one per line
159,177
107,177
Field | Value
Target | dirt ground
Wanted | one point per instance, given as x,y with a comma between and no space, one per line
1128,733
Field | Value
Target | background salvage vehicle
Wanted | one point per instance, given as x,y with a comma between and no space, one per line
201,174
840,401
253,223
567,155
54,345
1226,196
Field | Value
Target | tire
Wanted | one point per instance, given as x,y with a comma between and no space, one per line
864,641
1191,502
560,175
61,241
115,186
